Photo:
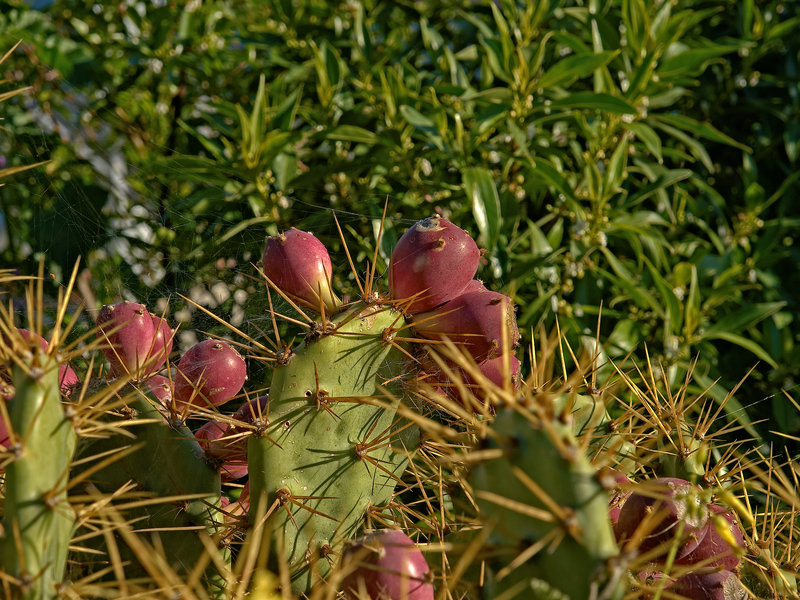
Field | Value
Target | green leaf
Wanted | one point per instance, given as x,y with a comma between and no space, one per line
569,69
649,138
745,343
700,129
416,118
480,189
744,318
615,171
595,101
352,133
691,62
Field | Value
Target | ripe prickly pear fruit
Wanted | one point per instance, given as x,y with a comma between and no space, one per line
476,320
216,451
299,264
66,375
137,342
209,374
161,388
493,370
386,565
718,585
619,494
432,262
715,549
660,506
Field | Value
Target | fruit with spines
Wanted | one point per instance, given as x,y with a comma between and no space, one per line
432,263
483,322
300,266
136,342
388,565
662,512
209,374
211,437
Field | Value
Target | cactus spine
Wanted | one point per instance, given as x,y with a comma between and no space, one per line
39,520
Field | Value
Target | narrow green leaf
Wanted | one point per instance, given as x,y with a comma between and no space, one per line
415,118
649,138
595,101
692,62
745,343
571,68
352,133
701,129
480,189
615,171
745,317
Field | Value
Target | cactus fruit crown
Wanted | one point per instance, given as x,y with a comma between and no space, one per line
403,415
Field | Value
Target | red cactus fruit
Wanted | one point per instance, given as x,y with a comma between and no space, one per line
66,375
717,585
619,494
432,262
475,319
216,450
715,549
209,374
658,508
4,434
387,565
137,342
299,264
493,370
161,388
476,285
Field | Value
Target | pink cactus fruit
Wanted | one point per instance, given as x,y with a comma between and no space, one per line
478,320
388,565
494,369
299,264
67,377
161,388
136,341
658,507
716,548
4,434
716,585
241,506
209,374
432,263
620,491
211,439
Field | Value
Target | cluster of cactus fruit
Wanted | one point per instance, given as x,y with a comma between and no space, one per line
400,423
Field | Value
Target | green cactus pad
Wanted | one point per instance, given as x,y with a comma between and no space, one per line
576,544
328,455
39,521
167,462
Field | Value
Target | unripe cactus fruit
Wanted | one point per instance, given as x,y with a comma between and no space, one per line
137,342
477,320
659,507
299,264
433,262
387,565
209,374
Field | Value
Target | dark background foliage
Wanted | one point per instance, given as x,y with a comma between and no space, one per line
631,158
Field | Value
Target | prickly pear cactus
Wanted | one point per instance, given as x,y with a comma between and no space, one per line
39,521
329,452
546,508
